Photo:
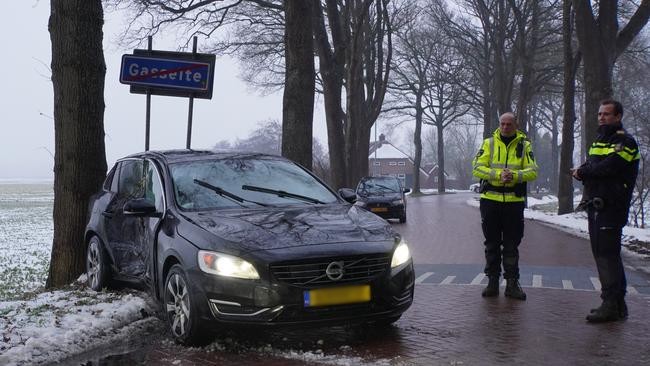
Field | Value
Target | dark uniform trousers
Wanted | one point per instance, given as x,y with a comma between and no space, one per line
503,228
606,248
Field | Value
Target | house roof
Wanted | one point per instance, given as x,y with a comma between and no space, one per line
383,149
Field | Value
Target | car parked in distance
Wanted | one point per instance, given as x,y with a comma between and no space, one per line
383,196
243,239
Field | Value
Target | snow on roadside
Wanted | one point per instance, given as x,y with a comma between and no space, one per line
55,325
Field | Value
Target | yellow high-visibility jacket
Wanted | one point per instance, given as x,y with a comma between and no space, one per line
494,156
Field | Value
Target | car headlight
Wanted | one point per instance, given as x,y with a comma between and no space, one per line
226,265
398,202
401,255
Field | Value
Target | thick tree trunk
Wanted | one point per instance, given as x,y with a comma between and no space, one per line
565,180
78,72
298,100
332,70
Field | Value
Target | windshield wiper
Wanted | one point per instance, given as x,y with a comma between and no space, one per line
282,194
223,193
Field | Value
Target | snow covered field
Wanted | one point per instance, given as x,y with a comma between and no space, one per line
37,326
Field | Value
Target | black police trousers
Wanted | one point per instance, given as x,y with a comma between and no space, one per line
606,247
503,228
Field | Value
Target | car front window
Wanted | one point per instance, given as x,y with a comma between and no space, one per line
378,186
233,175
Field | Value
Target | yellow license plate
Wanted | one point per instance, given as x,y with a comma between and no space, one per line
337,295
379,209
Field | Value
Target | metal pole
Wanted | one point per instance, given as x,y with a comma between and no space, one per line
191,108
148,113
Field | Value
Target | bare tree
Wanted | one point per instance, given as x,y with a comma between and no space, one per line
601,44
299,85
78,72
571,61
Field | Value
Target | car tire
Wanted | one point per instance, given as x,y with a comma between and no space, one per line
180,306
97,266
402,218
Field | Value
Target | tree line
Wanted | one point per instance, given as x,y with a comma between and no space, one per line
450,65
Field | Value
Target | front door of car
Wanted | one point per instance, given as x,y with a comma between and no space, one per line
130,236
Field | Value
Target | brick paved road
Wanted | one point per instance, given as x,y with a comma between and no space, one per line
447,325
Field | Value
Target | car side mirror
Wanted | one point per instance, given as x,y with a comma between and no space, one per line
348,194
407,190
140,207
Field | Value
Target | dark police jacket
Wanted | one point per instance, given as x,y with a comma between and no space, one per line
610,173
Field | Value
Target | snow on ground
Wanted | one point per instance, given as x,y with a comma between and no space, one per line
38,326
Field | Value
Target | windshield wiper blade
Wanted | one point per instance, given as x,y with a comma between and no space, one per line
280,193
223,193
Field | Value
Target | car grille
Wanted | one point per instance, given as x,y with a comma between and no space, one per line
310,273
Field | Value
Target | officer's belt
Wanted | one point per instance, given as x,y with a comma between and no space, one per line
500,189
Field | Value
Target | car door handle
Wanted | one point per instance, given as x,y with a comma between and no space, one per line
108,214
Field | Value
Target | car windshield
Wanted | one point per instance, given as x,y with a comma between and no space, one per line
378,186
225,183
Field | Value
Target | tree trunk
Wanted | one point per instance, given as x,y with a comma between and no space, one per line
78,72
441,158
601,43
417,140
298,99
565,180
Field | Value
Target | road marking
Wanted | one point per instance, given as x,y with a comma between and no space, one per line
448,280
504,282
537,281
477,280
423,277
632,290
567,285
595,282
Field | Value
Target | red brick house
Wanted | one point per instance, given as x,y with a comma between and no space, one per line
386,159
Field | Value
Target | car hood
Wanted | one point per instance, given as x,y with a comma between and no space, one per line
275,228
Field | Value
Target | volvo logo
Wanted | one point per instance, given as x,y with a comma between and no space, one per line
334,271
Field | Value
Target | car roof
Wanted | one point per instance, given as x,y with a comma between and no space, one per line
181,155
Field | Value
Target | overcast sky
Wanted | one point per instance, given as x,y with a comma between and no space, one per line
27,133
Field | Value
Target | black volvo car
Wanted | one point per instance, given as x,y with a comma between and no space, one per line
384,196
243,239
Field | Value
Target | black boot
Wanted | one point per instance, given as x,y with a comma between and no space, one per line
492,288
607,312
513,289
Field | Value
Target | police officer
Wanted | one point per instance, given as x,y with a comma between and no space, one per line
609,175
504,164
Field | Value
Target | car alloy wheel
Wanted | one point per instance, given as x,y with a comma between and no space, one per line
179,307
96,268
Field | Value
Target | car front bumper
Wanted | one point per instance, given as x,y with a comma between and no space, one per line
254,302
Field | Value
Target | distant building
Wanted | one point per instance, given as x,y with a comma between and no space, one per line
386,159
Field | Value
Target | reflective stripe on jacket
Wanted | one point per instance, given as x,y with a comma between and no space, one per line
494,156
610,172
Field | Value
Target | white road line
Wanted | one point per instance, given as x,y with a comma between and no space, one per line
595,282
423,277
567,284
537,281
632,290
503,282
448,280
477,280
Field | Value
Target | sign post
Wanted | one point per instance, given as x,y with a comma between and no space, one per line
177,74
